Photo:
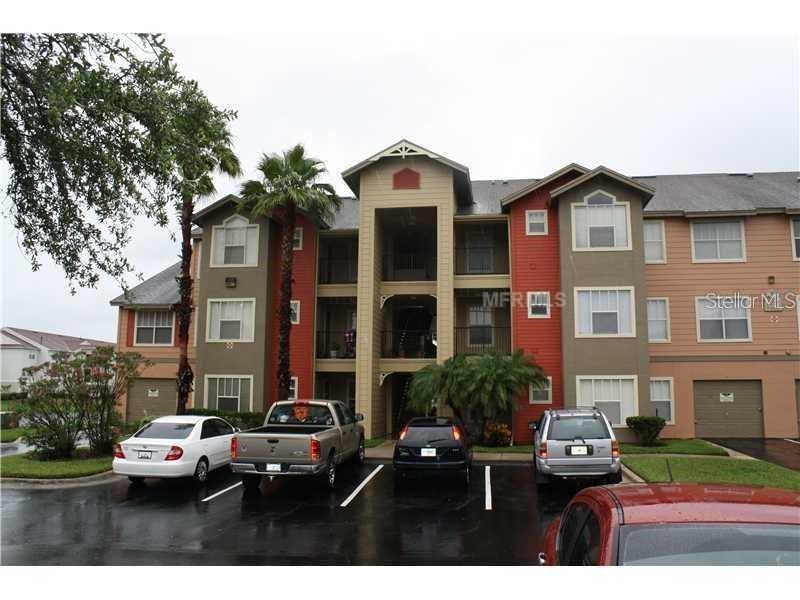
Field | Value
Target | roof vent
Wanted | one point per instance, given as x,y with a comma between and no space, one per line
505,182
740,174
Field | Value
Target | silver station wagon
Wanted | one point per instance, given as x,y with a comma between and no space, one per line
575,443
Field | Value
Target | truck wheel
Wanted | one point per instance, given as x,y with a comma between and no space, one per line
251,483
614,477
330,473
361,453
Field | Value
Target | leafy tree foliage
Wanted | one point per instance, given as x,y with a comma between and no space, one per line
85,131
289,182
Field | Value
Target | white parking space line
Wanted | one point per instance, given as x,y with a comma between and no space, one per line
361,486
219,493
488,479
793,441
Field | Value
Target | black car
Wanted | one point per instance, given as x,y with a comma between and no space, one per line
433,444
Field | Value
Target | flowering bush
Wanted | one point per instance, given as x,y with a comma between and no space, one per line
496,434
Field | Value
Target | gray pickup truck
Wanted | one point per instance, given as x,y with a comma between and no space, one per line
299,438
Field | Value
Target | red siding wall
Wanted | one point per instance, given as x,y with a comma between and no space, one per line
535,267
303,289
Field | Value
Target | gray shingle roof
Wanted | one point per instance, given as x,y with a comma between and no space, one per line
56,341
160,290
720,192
486,195
347,216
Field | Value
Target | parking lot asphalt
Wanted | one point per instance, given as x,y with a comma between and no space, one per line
424,521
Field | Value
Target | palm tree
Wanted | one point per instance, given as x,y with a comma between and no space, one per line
478,388
202,145
289,182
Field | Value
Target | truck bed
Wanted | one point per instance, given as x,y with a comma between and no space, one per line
288,429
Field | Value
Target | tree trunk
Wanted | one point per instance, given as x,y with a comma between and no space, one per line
184,307
284,303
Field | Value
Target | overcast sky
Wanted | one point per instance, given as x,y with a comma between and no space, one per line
504,105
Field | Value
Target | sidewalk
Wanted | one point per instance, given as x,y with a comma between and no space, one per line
386,449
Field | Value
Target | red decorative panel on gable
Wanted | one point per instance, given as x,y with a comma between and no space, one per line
405,179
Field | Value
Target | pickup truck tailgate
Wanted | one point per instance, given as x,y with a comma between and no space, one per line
277,444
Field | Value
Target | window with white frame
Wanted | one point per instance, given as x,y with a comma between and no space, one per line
661,398
154,328
294,312
723,319
230,393
614,396
235,243
604,312
293,388
480,325
658,319
538,305
796,239
601,223
230,320
536,222
718,241
655,248
297,240
541,395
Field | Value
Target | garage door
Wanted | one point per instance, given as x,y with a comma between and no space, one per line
151,398
728,409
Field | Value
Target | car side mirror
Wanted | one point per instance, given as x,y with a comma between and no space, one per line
532,425
359,417
237,429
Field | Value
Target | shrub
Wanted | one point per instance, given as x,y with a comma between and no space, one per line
242,420
496,434
6,396
647,429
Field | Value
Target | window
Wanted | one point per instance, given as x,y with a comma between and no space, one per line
294,311
538,305
655,248
292,389
601,223
230,393
722,319
658,319
154,328
718,241
604,312
31,357
536,222
796,239
235,243
541,395
571,524
297,240
230,320
586,551
661,398
614,396
480,325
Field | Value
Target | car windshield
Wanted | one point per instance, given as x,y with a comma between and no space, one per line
570,428
427,435
300,414
710,544
165,431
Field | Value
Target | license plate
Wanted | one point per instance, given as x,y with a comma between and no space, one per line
145,454
579,451
272,467
429,452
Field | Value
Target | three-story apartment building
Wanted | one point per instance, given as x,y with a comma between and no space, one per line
601,277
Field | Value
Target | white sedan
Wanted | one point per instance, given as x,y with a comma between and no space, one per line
175,446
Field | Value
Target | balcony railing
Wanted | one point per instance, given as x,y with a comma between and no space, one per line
338,270
479,339
408,343
482,260
415,266
336,344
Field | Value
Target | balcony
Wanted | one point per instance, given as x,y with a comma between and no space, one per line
408,343
338,270
336,343
407,243
409,266
480,339
481,249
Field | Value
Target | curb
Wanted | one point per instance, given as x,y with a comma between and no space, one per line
71,482
631,475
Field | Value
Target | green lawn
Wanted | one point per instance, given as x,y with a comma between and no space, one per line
523,449
373,442
11,435
8,405
658,469
674,447
26,467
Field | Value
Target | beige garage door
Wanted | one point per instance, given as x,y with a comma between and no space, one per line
151,398
728,409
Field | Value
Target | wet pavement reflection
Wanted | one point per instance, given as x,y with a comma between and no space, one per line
423,521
